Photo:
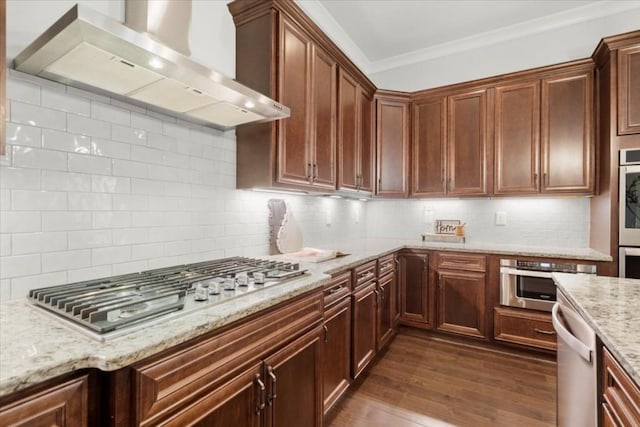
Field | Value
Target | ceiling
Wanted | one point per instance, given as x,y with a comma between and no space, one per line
398,32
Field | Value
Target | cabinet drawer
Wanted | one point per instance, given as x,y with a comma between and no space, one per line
364,274
165,384
386,264
458,261
620,392
339,287
533,329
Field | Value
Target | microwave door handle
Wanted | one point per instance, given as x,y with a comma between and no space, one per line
530,273
574,343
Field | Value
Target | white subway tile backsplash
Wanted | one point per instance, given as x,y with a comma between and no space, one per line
67,220
5,244
130,202
33,200
65,181
110,220
128,135
146,154
57,140
147,186
130,169
87,126
110,184
180,133
89,239
23,91
147,219
110,113
35,115
163,173
110,255
25,135
29,157
177,248
60,100
5,290
20,222
74,91
148,251
66,260
89,164
35,243
116,150
131,236
127,106
19,178
90,202
128,267
141,121
20,286
19,265
82,274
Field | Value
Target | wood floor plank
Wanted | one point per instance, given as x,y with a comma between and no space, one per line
425,381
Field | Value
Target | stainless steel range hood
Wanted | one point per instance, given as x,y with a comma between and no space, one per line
89,50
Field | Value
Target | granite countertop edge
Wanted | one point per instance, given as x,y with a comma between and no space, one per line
25,361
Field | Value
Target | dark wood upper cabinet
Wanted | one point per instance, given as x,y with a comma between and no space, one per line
629,90
367,142
428,153
392,136
567,142
517,138
467,144
3,74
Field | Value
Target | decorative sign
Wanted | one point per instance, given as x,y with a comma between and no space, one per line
446,226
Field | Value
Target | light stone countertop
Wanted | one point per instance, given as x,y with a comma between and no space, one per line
35,347
610,307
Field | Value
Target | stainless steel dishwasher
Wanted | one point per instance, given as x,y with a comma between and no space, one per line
577,368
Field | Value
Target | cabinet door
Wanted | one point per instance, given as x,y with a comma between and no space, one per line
367,144
294,83
240,402
62,405
336,352
467,144
415,299
294,383
348,131
429,148
392,147
567,133
324,120
461,303
386,312
363,328
517,138
629,90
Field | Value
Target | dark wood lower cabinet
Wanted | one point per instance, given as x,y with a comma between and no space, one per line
386,311
414,290
336,351
461,303
64,404
364,327
525,327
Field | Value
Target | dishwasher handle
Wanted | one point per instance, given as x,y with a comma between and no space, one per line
563,333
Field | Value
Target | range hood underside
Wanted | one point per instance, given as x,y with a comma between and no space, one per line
88,50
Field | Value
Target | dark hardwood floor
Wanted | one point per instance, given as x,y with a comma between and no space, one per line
423,380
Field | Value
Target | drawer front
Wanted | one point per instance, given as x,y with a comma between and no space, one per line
386,264
338,288
164,385
528,328
460,261
620,392
365,274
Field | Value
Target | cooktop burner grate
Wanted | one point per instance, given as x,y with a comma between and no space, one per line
110,304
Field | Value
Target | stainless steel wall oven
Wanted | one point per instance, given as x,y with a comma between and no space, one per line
629,202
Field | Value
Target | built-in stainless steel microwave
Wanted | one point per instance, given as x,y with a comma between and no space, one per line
629,202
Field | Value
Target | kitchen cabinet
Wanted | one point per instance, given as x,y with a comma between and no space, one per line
416,297
517,138
629,90
248,369
392,144
567,142
3,75
467,143
385,327
280,52
428,149
64,403
355,135
365,308
620,395
336,348
524,327
461,282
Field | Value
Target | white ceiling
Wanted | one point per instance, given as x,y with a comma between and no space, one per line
393,33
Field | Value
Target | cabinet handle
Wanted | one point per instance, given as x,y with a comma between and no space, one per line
377,296
260,404
449,185
444,185
272,395
326,333
315,171
542,331
309,172
336,289
381,295
545,179
535,179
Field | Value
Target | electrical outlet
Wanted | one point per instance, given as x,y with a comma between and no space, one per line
501,218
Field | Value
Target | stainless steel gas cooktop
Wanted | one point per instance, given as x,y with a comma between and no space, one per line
114,306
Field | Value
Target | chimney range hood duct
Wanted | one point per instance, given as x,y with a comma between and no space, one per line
94,52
